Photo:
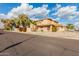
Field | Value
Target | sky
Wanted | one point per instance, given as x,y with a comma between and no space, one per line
64,13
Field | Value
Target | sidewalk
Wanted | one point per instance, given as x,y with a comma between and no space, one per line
69,35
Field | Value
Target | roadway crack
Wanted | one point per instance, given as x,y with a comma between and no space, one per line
13,45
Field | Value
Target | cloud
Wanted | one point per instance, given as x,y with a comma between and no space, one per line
39,12
23,8
3,16
33,13
68,13
57,7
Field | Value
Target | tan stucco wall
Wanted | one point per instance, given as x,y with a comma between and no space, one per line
62,28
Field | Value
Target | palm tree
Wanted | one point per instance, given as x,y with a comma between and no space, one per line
23,22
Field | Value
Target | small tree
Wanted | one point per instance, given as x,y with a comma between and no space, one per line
7,24
70,26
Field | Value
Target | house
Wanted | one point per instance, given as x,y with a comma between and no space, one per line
48,25
45,25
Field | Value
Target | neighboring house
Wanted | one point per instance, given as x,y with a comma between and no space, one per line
48,25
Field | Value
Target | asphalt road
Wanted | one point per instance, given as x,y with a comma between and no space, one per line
16,44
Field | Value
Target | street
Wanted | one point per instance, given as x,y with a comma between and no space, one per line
36,45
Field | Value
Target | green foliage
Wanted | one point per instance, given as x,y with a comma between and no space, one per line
70,26
22,20
2,20
33,22
8,24
54,29
8,28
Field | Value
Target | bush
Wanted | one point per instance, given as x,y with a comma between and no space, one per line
54,29
70,26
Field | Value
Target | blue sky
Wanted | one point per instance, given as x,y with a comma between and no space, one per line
6,7
63,12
